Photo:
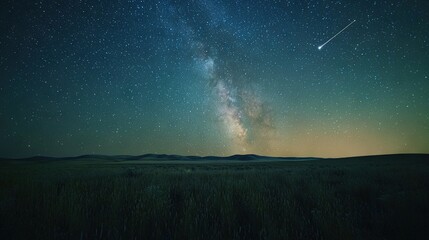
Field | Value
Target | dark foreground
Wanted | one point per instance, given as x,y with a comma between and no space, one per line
384,197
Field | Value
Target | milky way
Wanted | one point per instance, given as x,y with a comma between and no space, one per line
241,111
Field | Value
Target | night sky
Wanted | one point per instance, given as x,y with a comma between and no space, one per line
214,77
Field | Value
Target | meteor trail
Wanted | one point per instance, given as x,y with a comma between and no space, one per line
321,46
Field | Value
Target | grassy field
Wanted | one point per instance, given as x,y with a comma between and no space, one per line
384,197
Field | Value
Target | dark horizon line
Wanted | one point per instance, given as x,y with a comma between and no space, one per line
194,157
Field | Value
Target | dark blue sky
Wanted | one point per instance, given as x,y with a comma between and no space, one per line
214,77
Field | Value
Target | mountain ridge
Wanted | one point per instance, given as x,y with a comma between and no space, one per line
174,157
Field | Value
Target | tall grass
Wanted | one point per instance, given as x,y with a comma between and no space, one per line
307,201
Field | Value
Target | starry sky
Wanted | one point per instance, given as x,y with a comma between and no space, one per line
214,77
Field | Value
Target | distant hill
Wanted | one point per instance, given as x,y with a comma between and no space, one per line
245,157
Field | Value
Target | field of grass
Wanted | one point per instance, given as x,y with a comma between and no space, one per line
384,197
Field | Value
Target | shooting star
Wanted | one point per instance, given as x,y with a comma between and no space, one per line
321,46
